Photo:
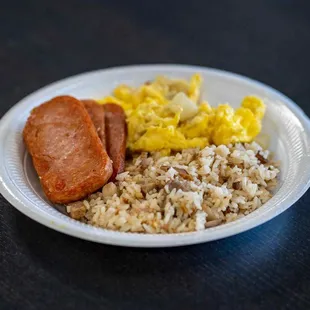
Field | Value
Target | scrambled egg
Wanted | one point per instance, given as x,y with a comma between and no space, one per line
167,115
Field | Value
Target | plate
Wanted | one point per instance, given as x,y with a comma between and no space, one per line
285,124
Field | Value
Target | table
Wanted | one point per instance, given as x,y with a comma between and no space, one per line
265,268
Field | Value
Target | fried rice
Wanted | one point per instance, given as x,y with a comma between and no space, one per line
187,191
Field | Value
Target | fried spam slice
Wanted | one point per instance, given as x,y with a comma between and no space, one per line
66,150
116,135
96,113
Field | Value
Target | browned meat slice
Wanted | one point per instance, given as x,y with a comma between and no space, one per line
96,113
66,150
116,133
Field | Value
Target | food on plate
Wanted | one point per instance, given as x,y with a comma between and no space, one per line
77,210
96,113
189,165
116,133
191,190
66,150
167,115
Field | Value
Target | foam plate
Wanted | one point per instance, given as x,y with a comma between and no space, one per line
285,123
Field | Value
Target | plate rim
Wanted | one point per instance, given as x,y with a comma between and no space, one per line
146,240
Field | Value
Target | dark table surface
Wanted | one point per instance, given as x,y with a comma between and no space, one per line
265,268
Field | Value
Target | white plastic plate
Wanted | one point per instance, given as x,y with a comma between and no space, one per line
285,123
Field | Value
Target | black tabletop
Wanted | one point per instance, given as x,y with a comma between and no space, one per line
43,41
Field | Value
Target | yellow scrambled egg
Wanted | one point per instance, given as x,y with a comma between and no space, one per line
167,114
